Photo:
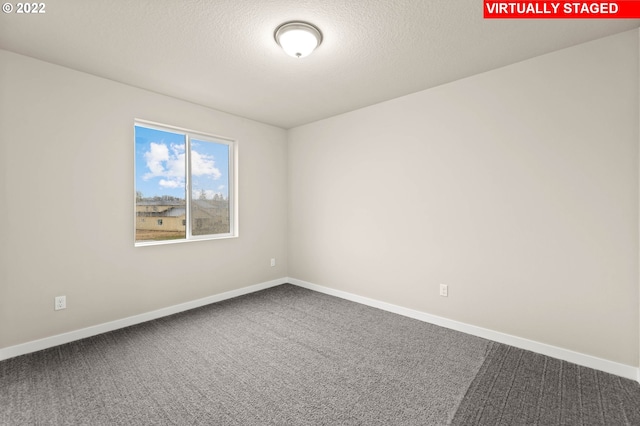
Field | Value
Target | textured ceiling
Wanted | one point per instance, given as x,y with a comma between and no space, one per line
221,53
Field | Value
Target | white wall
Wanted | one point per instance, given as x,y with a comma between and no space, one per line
66,204
518,188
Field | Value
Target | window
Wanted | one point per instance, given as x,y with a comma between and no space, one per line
186,180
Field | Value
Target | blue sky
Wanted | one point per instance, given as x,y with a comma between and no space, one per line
160,165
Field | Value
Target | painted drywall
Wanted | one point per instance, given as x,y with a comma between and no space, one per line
66,157
517,187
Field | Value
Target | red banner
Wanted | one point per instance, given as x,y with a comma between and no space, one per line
624,9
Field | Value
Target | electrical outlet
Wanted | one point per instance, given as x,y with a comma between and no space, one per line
444,290
60,303
273,262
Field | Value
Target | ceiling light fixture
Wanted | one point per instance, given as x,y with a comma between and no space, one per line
298,39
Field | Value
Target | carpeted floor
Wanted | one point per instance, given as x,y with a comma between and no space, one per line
517,387
290,356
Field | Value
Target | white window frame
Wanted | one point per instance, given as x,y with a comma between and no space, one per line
233,183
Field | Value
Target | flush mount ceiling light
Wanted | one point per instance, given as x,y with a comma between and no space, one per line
298,39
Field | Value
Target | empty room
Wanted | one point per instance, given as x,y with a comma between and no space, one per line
319,212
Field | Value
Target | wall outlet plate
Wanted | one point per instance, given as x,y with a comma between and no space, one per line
444,290
60,303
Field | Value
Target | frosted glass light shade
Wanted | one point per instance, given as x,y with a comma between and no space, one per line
298,39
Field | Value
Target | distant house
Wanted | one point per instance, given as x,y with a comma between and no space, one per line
160,215
209,216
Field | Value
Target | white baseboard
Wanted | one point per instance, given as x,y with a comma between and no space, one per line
584,360
60,339
618,369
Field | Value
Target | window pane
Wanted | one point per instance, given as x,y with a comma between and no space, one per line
210,212
160,185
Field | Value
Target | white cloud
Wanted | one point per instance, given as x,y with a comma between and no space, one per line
170,183
168,163
204,165
157,154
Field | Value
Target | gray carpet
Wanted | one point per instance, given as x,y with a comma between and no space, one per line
290,356
283,356
518,387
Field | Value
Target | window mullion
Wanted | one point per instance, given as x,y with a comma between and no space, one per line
231,196
188,191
